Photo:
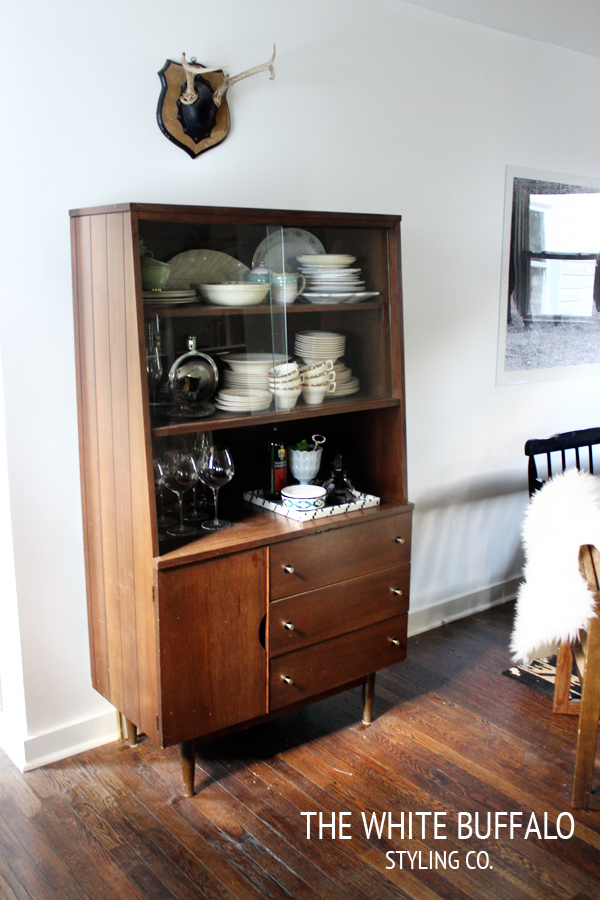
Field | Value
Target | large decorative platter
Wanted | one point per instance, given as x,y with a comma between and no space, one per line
279,250
195,267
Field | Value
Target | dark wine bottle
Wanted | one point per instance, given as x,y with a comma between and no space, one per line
277,467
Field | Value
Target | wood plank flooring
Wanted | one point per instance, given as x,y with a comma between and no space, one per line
451,734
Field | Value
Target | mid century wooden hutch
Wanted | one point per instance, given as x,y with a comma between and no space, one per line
190,641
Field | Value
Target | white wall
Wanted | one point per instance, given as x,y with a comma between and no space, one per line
381,107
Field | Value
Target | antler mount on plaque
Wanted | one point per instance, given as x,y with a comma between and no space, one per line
192,108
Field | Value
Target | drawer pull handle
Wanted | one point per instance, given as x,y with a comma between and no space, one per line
289,626
289,570
395,642
286,679
399,540
396,592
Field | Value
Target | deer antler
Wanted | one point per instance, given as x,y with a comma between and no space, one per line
227,81
191,70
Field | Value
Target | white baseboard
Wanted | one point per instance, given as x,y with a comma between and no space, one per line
67,741
458,607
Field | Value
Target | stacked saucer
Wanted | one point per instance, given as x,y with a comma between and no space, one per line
316,346
345,382
329,278
168,298
237,400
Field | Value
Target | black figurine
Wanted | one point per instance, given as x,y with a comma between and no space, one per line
338,486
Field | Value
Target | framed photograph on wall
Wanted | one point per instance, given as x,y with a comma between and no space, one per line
550,293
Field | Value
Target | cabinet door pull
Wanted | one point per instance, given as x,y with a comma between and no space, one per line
396,592
286,679
289,626
289,570
399,540
395,642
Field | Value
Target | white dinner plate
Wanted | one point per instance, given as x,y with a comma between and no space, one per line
339,260
280,249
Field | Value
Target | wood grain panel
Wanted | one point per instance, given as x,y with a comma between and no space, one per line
329,557
88,451
325,665
121,453
213,668
337,609
104,415
142,493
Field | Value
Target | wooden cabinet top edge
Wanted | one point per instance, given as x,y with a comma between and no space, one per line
257,215
282,529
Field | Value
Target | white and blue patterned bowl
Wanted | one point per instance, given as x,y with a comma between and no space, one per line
303,496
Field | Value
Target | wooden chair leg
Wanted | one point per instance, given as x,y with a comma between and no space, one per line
562,682
587,734
131,733
368,698
188,766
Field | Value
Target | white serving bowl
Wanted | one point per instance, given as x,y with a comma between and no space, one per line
252,362
242,293
303,496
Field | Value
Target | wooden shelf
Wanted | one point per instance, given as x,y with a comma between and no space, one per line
191,310
260,526
229,420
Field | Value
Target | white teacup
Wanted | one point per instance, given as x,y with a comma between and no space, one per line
318,368
321,378
291,385
315,393
284,370
285,399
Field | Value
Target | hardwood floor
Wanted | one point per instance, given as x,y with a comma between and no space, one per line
450,734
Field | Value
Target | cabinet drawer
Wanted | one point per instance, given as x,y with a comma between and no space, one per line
324,613
331,556
321,667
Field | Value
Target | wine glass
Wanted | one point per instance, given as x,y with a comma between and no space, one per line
181,473
202,441
159,480
216,469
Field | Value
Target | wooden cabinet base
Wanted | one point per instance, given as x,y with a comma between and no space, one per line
187,749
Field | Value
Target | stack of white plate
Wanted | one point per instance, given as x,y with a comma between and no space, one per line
249,371
329,279
250,380
168,298
315,346
345,382
238,400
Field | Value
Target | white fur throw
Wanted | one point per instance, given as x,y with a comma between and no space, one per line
554,602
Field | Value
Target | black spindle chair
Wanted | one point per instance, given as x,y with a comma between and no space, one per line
563,443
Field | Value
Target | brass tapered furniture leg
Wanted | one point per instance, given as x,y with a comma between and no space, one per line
188,766
131,733
368,698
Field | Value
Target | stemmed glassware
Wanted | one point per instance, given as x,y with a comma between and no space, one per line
159,481
216,469
202,441
180,474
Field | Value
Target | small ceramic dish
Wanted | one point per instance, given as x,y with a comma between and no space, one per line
303,496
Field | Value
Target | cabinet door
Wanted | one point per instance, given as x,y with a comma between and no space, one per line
213,665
